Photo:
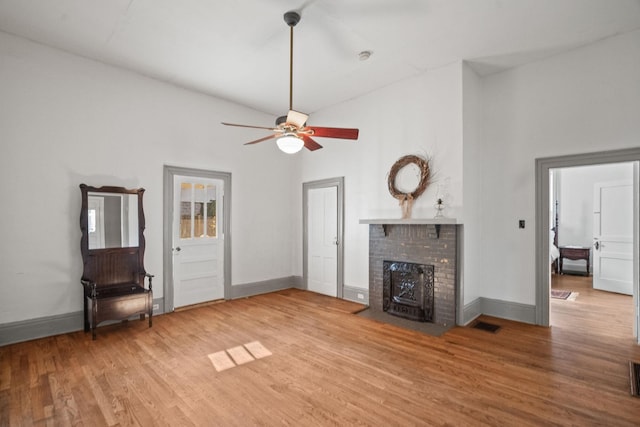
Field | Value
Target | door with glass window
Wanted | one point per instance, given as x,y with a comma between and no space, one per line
198,242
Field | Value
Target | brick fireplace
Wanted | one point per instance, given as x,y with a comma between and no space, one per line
424,244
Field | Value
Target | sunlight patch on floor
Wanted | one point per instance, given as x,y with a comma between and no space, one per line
235,356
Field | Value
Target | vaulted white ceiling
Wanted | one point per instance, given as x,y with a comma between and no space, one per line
239,49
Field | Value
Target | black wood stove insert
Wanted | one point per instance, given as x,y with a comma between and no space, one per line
408,290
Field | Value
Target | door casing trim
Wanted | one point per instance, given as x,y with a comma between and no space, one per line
337,182
169,172
543,166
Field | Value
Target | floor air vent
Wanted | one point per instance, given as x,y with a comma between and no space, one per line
489,327
634,378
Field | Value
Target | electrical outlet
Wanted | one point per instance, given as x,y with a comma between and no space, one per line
360,296
156,307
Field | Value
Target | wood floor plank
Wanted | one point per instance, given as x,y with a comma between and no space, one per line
327,366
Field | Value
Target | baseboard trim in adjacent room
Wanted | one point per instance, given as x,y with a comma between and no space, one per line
265,286
359,295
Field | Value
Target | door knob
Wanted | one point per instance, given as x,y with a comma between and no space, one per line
178,249
596,245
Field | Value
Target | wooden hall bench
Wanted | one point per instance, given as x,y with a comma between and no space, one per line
112,245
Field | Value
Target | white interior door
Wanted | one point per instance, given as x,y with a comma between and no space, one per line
613,237
198,241
322,232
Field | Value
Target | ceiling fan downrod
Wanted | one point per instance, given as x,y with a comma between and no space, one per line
291,18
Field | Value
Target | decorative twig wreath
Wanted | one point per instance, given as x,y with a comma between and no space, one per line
406,199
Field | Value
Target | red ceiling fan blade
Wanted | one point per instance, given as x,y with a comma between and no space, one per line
248,126
310,144
297,118
261,139
343,133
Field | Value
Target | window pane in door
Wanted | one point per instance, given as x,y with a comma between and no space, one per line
211,211
199,214
186,205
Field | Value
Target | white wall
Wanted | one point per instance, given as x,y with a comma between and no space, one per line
583,101
575,200
474,206
422,115
65,120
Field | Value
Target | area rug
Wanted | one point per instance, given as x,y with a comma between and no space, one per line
424,327
560,294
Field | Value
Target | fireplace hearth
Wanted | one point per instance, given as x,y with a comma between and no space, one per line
408,290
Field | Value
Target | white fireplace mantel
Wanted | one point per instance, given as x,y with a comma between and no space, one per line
410,221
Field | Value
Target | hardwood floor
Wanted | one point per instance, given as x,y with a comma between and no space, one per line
327,367
592,312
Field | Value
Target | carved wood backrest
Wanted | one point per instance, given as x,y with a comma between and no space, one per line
110,266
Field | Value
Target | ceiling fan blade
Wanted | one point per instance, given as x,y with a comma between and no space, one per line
343,133
297,118
248,126
261,139
310,144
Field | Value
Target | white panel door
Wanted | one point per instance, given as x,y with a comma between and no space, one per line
198,245
613,237
322,262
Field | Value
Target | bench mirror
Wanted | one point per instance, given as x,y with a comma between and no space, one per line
112,220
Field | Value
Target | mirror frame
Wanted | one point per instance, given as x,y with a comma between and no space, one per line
84,221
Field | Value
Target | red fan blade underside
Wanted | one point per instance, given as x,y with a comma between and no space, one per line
343,133
248,126
262,139
310,144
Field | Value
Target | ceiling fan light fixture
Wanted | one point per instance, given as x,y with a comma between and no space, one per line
290,143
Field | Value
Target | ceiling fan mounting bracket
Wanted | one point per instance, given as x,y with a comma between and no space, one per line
292,18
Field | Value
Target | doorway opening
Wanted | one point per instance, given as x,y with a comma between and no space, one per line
323,232
197,237
544,223
591,247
